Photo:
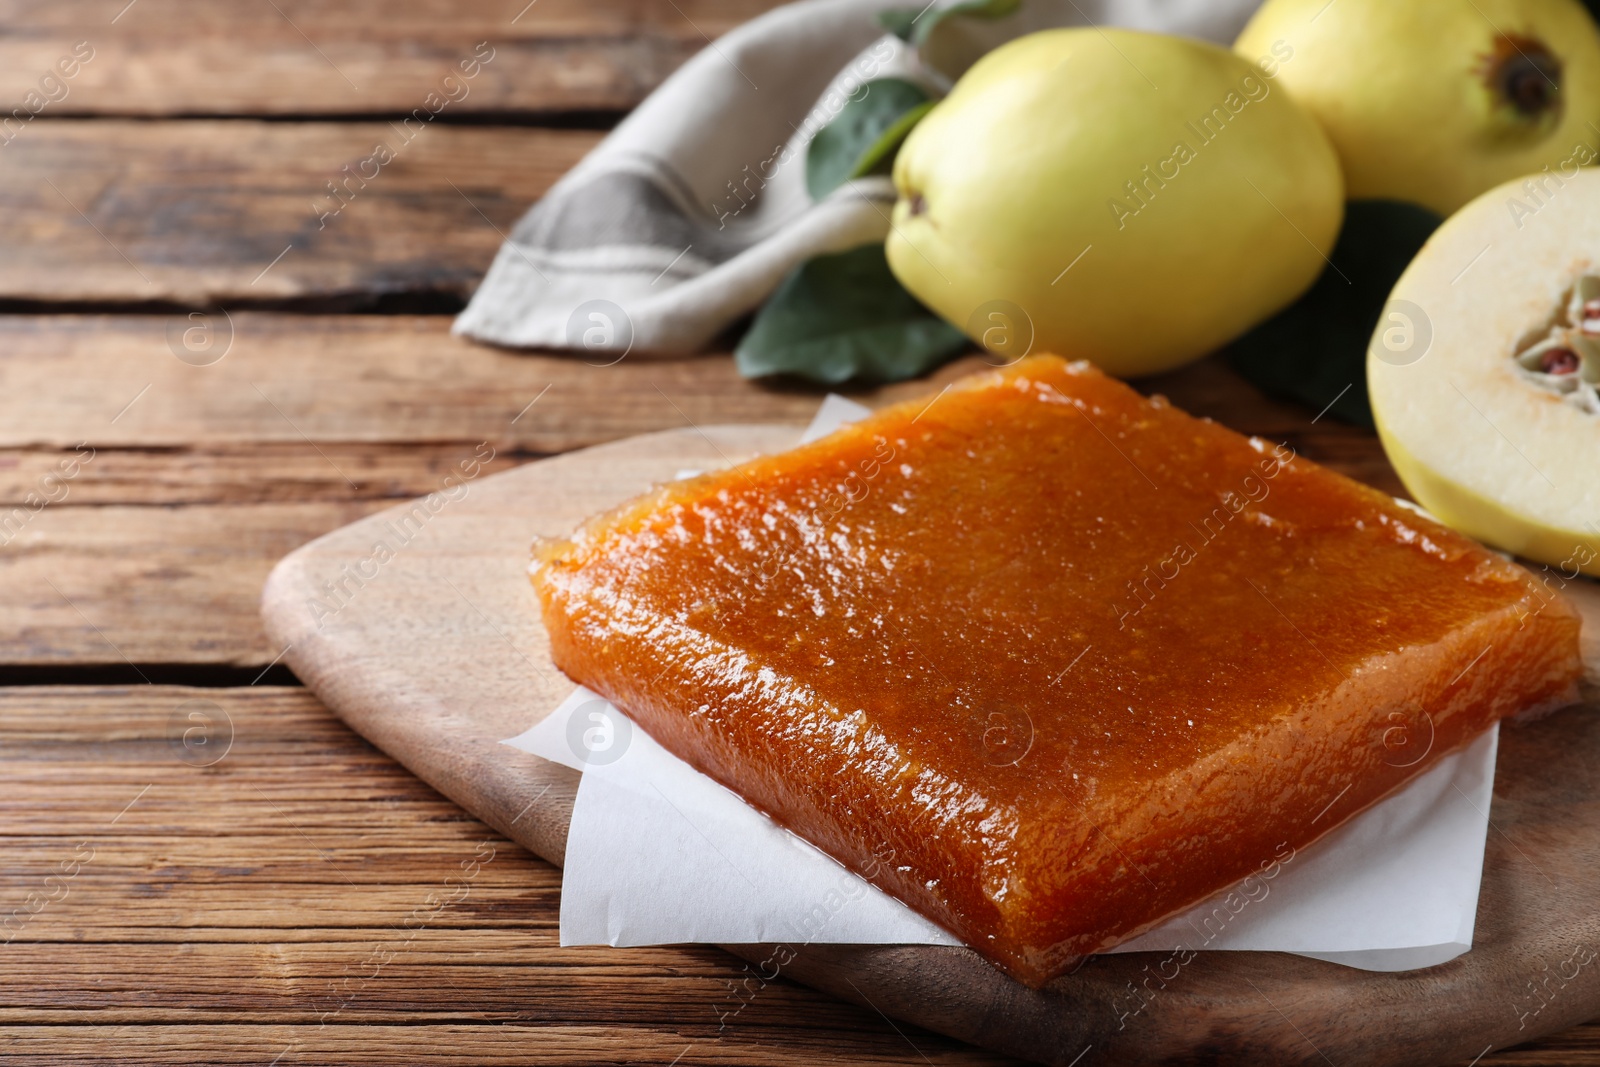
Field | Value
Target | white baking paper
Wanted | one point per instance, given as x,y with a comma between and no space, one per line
658,853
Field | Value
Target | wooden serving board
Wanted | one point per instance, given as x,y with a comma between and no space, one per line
418,627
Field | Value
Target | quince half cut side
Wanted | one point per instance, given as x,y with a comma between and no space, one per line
1484,370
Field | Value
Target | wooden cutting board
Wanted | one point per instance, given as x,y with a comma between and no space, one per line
419,628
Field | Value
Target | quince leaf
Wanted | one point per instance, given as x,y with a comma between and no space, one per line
878,158
1315,350
843,316
900,21
867,130
915,24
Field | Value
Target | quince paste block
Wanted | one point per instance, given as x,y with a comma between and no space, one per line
1046,660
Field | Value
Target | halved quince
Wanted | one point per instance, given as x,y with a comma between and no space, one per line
1484,367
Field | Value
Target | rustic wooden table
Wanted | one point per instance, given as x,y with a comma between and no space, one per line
200,864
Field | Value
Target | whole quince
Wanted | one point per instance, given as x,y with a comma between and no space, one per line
1134,199
1436,101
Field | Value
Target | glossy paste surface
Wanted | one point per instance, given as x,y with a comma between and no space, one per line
1047,660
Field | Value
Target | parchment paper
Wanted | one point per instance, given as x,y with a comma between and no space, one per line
658,853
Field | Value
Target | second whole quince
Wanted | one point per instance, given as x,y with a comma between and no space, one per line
1435,101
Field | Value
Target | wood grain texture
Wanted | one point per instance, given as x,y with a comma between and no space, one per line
434,650
304,897
404,379
283,472
326,418
199,213
114,381
121,584
295,57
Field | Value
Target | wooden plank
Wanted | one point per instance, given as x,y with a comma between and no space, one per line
114,381
266,472
303,891
286,379
296,57
508,1039
149,585
200,212
112,968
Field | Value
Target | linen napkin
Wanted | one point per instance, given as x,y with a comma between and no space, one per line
688,215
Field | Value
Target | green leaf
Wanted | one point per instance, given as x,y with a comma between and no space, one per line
860,132
915,24
902,22
880,156
844,316
1316,349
